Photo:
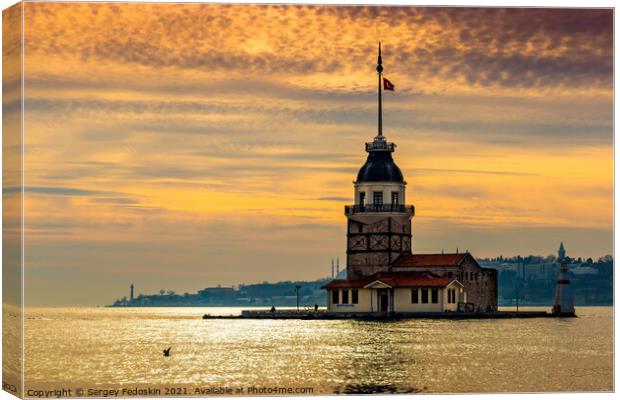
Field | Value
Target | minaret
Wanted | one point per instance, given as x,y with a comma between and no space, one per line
379,221
333,276
337,267
563,304
131,293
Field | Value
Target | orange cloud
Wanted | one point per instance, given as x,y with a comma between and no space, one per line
227,136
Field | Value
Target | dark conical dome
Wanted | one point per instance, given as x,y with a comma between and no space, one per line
379,167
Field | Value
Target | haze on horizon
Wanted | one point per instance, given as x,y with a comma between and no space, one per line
181,146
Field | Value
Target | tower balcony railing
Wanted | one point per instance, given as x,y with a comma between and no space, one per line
378,208
380,145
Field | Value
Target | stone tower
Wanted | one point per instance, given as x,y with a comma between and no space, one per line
379,223
563,304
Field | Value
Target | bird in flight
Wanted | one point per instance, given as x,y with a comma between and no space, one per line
167,352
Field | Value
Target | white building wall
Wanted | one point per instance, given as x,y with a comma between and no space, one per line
363,305
402,301
367,300
386,187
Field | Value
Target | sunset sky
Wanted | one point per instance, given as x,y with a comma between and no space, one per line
184,146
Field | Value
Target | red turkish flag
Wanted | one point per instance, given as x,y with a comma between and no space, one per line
387,85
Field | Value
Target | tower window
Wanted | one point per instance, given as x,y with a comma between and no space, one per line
362,199
377,198
395,197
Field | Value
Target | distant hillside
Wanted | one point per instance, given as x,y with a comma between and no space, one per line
530,279
260,294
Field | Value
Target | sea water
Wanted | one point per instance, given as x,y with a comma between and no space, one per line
108,352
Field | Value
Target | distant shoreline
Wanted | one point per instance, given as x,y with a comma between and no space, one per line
321,306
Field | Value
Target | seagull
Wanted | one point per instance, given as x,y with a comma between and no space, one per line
167,352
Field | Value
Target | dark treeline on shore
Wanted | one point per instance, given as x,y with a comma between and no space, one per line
531,280
528,280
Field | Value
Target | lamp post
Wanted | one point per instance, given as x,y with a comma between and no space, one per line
297,287
517,300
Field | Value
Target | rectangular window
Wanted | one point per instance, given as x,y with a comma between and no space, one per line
414,296
377,198
435,296
334,296
425,296
354,296
394,197
345,296
362,198
449,296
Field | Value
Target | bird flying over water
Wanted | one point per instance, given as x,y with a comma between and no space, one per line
167,352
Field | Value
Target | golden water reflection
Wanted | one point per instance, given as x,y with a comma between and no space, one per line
99,347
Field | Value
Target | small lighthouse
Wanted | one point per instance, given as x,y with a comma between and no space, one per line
563,304
131,293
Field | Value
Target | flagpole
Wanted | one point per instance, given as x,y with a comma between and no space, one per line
379,70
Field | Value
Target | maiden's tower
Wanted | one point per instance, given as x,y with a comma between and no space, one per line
383,273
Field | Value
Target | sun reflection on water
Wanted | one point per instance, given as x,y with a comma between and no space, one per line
120,347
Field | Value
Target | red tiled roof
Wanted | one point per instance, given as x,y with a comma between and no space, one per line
394,279
346,283
413,282
430,260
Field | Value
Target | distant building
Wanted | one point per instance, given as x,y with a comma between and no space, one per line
561,253
218,295
383,275
581,270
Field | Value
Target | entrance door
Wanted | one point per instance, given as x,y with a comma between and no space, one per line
383,301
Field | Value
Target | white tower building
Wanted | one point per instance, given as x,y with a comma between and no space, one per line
563,304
